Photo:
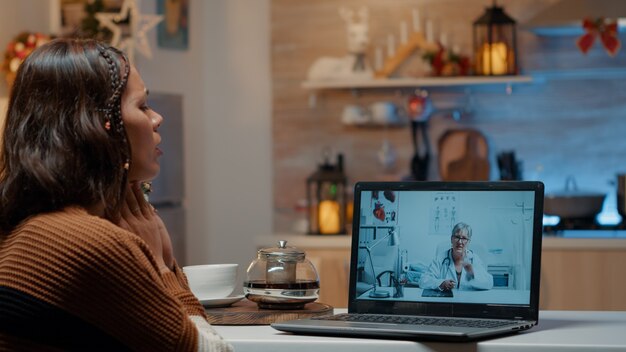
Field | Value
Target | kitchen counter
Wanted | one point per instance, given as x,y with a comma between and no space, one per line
578,268
580,239
557,331
307,241
588,242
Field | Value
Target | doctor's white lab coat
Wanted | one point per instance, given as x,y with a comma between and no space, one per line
442,268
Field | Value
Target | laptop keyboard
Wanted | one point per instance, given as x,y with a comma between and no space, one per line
394,319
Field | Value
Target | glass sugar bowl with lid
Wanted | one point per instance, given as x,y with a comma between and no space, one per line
281,278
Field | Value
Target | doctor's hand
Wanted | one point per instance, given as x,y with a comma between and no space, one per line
469,270
447,285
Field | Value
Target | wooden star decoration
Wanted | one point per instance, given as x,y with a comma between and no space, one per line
140,24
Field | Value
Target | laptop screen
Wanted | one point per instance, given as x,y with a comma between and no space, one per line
464,245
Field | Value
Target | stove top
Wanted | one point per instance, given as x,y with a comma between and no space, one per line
585,225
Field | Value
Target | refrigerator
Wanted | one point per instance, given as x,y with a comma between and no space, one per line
168,188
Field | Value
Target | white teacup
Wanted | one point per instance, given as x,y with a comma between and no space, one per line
211,281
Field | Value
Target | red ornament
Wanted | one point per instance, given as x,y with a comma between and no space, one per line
606,29
419,106
464,65
439,62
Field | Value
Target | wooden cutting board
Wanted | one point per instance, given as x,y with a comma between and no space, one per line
247,312
470,167
463,156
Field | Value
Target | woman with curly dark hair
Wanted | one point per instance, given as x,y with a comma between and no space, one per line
86,263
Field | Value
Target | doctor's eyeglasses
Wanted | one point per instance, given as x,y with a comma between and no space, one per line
461,239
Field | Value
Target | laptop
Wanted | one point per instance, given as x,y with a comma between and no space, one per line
448,261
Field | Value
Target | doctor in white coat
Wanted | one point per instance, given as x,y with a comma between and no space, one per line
457,267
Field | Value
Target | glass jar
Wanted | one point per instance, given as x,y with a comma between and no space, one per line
281,278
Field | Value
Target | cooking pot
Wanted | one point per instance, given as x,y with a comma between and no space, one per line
621,194
572,203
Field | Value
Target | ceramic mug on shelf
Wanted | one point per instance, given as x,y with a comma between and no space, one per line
355,115
384,112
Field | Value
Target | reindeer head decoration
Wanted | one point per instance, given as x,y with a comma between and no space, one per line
357,29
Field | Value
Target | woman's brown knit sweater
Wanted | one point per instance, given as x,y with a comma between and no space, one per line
72,281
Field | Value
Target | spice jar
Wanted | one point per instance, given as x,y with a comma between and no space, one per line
281,278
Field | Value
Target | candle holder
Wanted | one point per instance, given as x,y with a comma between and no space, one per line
495,46
326,197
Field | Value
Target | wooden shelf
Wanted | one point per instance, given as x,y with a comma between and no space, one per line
414,82
579,73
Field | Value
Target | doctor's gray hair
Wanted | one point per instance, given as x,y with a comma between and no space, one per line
462,227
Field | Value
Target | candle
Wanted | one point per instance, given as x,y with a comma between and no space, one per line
417,26
378,59
430,31
329,217
391,45
494,59
443,39
403,33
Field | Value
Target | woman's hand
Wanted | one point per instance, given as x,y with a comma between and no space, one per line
166,241
140,218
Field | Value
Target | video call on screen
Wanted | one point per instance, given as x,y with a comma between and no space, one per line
405,245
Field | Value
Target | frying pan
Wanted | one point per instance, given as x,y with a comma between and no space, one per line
572,203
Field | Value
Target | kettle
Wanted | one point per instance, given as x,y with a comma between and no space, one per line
281,278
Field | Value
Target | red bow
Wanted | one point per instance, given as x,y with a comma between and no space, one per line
607,29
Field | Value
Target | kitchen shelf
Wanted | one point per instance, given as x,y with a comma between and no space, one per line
579,73
413,82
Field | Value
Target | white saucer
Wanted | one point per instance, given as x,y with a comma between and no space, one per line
220,302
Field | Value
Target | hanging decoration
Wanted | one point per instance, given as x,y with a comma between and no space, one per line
606,29
90,26
447,62
140,24
354,64
17,50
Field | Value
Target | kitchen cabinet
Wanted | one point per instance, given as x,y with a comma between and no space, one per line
333,268
583,274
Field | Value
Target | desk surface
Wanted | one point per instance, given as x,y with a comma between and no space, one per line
557,331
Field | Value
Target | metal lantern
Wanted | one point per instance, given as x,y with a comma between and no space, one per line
326,197
495,43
